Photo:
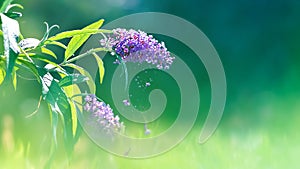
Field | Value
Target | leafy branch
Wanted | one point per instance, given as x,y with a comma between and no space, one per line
34,56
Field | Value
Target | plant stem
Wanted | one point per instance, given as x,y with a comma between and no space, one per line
85,54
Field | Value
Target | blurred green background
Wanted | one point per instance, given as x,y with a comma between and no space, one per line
258,43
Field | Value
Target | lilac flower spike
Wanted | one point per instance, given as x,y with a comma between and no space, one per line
137,46
102,113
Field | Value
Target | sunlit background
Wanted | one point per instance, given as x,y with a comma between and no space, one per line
258,43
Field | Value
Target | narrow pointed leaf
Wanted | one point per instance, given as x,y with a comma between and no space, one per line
13,15
54,122
4,6
2,75
72,79
74,118
78,40
30,66
70,34
54,95
14,74
70,92
48,52
48,42
100,67
82,71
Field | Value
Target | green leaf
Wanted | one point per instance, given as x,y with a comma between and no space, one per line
48,52
54,95
4,6
42,57
11,33
54,122
100,66
72,79
78,40
42,52
69,34
70,92
22,63
82,71
2,75
74,117
48,42
53,67
13,15
14,75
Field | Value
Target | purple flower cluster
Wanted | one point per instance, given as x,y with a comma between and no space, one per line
137,46
102,113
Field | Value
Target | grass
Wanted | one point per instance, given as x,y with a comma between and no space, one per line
228,148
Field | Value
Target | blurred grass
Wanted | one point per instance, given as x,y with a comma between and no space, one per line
258,43
228,148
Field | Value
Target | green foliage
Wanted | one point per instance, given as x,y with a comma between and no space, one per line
59,86
78,40
5,5
81,70
72,79
2,73
70,34
11,33
100,66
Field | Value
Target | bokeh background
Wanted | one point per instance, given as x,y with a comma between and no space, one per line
258,43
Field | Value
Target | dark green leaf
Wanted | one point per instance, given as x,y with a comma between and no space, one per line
13,15
54,122
53,67
54,95
22,63
72,79
82,71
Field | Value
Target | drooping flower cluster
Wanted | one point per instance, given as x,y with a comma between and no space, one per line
103,114
137,46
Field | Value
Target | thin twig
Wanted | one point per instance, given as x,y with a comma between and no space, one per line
85,54
28,57
26,78
38,107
